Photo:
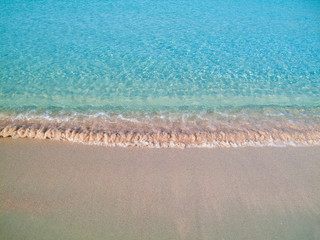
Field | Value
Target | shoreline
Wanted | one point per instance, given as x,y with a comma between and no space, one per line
170,139
60,190
181,129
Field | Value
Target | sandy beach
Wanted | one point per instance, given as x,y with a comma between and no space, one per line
59,190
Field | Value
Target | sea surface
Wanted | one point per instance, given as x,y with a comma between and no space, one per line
164,73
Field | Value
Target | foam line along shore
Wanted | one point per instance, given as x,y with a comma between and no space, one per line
266,127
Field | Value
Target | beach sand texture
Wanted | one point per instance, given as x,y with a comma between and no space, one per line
58,190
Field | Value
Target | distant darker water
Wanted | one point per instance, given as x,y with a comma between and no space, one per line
161,73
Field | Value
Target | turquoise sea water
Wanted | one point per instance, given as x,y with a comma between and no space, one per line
161,73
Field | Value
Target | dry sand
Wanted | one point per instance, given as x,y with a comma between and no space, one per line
59,190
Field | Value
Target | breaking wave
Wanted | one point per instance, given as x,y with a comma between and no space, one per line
264,127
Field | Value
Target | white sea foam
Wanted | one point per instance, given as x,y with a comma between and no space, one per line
168,129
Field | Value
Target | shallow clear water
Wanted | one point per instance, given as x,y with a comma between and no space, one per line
167,66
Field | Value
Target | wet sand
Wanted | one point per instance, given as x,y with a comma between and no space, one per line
59,190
